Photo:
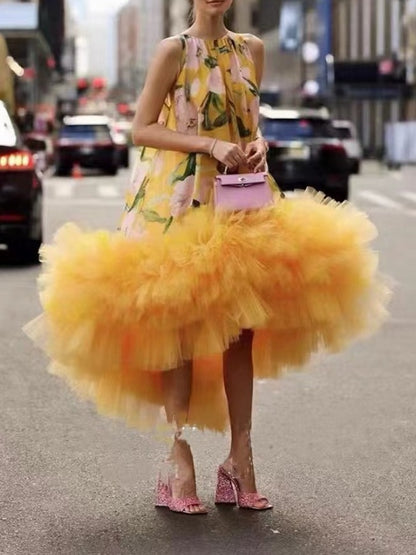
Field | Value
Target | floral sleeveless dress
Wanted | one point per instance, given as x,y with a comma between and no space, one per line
215,95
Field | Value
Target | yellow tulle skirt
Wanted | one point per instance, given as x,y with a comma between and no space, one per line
118,312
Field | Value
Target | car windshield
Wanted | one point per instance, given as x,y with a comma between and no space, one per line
343,132
8,135
297,129
89,132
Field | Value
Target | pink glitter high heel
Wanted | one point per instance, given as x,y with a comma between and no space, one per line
180,505
229,493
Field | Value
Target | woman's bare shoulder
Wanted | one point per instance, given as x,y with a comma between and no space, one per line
170,46
255,43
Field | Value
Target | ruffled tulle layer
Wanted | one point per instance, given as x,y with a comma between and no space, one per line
118,312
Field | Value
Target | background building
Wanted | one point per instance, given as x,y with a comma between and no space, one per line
128,32
141,25
371,81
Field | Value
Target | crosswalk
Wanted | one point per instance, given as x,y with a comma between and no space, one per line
96,191
89,191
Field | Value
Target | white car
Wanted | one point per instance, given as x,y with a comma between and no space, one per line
347,133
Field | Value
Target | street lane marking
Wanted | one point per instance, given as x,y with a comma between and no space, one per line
64,189
85,202
380,200
398,176
108,191
408,195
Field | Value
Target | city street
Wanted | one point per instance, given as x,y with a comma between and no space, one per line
335,446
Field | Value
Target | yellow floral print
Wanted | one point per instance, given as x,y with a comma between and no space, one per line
215,95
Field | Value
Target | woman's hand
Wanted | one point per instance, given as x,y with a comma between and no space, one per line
229,154
256,155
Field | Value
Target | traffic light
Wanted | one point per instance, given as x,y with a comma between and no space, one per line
82,87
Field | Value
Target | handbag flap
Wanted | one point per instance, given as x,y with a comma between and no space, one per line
242,179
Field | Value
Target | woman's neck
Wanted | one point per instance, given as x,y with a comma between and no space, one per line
208,27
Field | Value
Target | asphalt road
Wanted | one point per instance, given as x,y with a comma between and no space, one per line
335,446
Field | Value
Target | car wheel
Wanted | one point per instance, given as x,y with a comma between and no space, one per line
340,194
31,251
26,250
111,170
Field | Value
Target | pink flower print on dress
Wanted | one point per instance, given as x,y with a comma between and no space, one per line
195,87
139,173
235,70
193,60
181,199
185,111
215,81
245,72
132,225
181,111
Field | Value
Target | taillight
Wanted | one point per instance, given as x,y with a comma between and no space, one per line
16,161
331,147
104,143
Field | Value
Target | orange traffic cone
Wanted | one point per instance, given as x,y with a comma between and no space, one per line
76,171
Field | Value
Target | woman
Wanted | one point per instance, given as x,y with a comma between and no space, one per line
163,313
208,32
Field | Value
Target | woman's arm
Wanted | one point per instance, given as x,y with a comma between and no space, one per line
256,47
256,150
160,79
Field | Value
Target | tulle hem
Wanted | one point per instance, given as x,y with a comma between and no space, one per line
118,312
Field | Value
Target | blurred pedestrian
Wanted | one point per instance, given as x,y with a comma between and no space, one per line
191,297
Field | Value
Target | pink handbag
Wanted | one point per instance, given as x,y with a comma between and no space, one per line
244,191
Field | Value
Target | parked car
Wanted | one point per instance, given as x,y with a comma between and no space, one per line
347,133
42,147
122,141
304,150
125,126
21,204
88,141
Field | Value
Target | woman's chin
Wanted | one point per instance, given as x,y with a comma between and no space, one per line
217,8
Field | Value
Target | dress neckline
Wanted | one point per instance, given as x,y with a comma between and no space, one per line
225,37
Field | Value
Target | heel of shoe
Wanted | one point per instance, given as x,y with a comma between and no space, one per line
225,492
163,496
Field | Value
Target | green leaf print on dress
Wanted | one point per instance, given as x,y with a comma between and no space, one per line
153,216
139,195
211,62
253,87
185,169
224,50
243,131
214,112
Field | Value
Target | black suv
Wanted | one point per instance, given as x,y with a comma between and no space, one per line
87,141
304,151
20,193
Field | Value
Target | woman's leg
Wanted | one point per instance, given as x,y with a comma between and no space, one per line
238,381
177,386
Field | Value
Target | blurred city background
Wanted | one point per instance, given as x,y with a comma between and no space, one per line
357,58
